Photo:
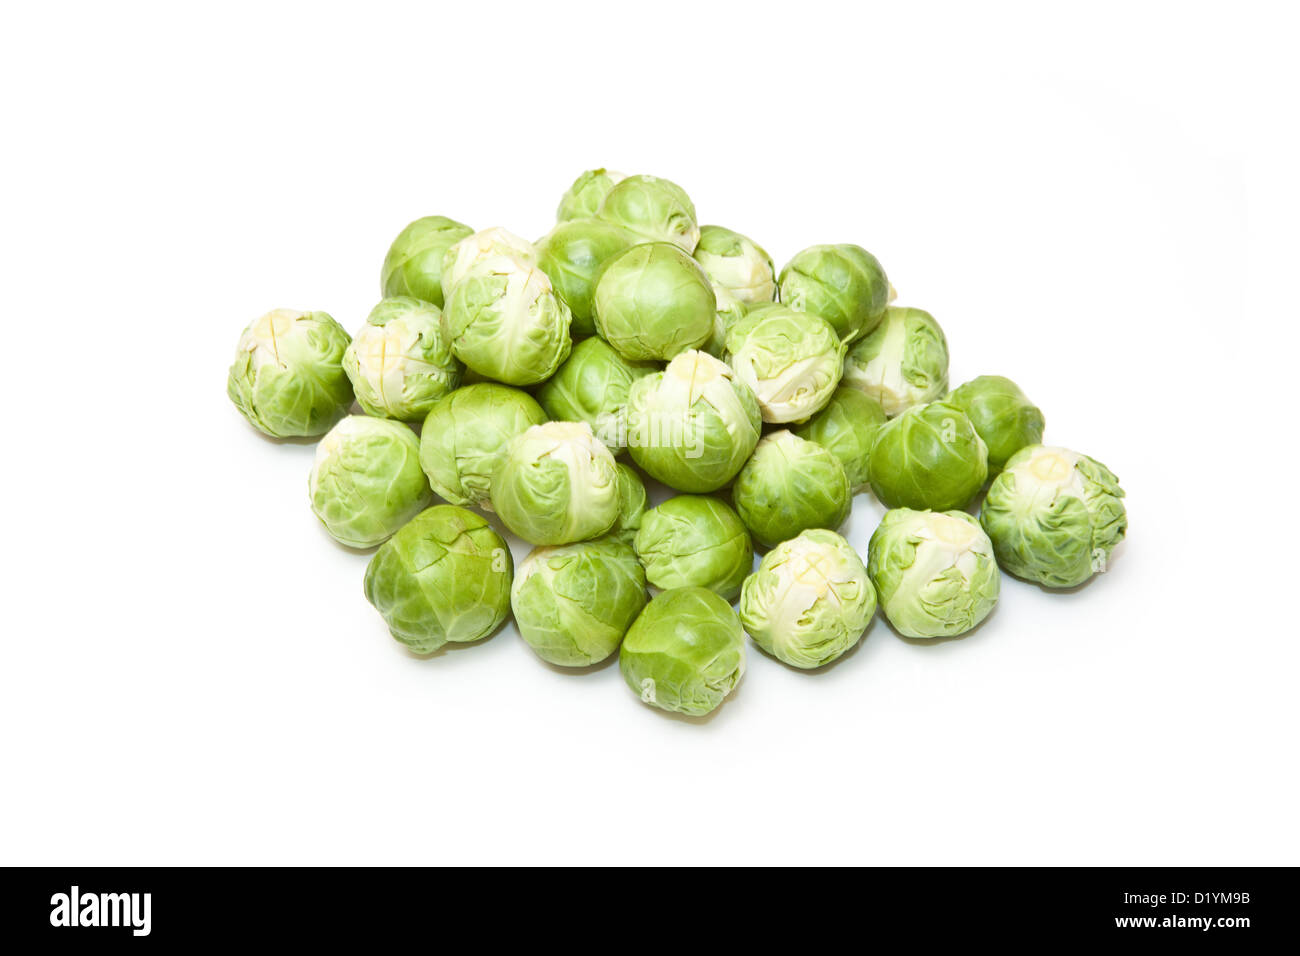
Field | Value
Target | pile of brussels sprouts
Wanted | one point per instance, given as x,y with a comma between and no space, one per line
546,378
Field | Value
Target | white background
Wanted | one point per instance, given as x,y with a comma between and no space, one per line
1100,205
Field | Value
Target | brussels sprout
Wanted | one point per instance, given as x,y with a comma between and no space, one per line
413,266
1054,516
846,427
574,603
654,208
479,248
287,378
904,362
844,284
737,264
788,486
695,541
693,425
366,481
556,484
631,505
505,321
583,198
792,362
445,576
1004,417
685,652
571,256
934,572
928,457
809,601
465,435
652,302
728,311
399,363
592,386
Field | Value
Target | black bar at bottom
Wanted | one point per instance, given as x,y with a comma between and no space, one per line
628,909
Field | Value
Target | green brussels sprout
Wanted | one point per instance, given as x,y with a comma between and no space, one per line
1004,417
728,311
934,572
928,457
809,601
736,263
685,652
366,481
583,198
465,436
846,427
591,386
1054,516
844,284
445,576
505,321
483,245
654,208
413,266
788,486
556,484
904,362
287,378
791,361
571,256
693,425
652,302
631,505
695,541
399,363
573,603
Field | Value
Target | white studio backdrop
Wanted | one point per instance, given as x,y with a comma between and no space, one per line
1090,204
